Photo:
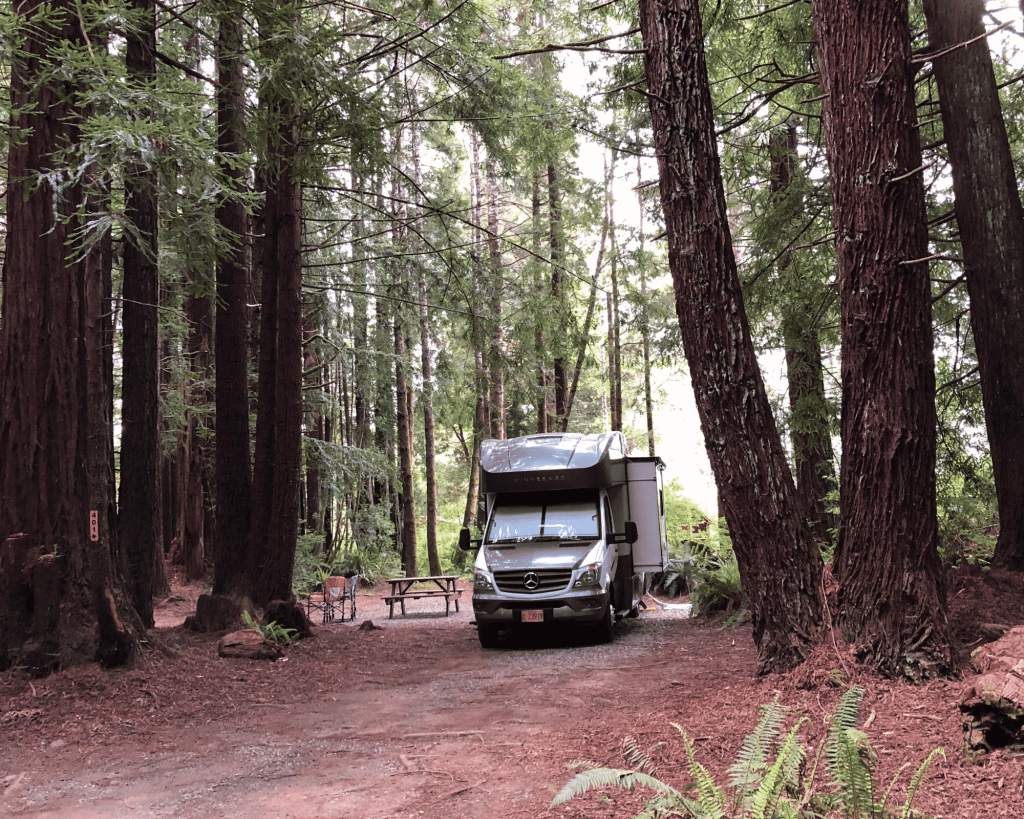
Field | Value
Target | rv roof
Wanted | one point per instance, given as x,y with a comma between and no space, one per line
568,450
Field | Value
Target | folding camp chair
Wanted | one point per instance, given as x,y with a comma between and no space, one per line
331,601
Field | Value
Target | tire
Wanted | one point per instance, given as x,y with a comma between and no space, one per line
604,631
488,636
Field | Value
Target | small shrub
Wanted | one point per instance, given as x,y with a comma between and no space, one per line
272,631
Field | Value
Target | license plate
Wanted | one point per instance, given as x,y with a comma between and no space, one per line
533,615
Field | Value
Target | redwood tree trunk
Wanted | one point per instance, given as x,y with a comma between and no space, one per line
779,563
44,390
557,295
991,221
233,477
139,498
408,539
891,598
275,554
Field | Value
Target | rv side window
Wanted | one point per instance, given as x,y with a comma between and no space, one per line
609,527
536,516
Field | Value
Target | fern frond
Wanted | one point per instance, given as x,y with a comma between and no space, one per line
917,780
845,718
753,756
766,799
611,778
638,759
712,799
853,775
582,763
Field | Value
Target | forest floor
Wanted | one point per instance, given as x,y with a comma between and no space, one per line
414,719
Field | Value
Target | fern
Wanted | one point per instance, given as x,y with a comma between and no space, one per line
757,787
611,778
848,755
753,758
272,631
917,780
638,759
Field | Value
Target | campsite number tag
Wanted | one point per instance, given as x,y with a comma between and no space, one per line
94,525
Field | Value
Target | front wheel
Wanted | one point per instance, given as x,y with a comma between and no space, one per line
605,629
488,636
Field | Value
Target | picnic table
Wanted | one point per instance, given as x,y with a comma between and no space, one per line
441,585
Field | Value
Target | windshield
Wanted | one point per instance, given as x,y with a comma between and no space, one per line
538,516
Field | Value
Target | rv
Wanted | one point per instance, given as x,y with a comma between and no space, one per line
575,529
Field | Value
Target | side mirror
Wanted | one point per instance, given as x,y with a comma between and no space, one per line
465,544
632,535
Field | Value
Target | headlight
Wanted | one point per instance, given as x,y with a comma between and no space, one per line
482,581
589,575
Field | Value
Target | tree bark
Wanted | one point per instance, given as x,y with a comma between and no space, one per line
139,500
541,386
195,546
44,387
497,334
557,293
779,563
117,626
991,221
405,454
233,478
891,598
427,400
275,552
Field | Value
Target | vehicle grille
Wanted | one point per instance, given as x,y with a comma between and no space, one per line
549,580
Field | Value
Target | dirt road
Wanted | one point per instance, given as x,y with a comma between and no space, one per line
414,719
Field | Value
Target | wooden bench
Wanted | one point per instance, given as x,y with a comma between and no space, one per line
438,586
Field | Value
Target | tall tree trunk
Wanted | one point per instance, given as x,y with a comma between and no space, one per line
139,500
613,422
233,479
558,296
479,332
275,551
44,387
991,221
426,370
614,336
809,425
779,563
892,603
469,517
497,334
314,431
118,626
541,387
195,545
405,453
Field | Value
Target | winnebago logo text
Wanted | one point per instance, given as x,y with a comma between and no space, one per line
538,478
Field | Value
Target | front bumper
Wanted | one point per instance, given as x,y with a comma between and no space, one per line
584,607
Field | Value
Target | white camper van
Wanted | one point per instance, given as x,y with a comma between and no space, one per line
575,527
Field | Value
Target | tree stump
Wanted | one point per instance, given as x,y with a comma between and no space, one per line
992,704
215,612
248,645
288,614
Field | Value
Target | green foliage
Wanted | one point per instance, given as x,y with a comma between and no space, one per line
272,631
768,780
716,583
